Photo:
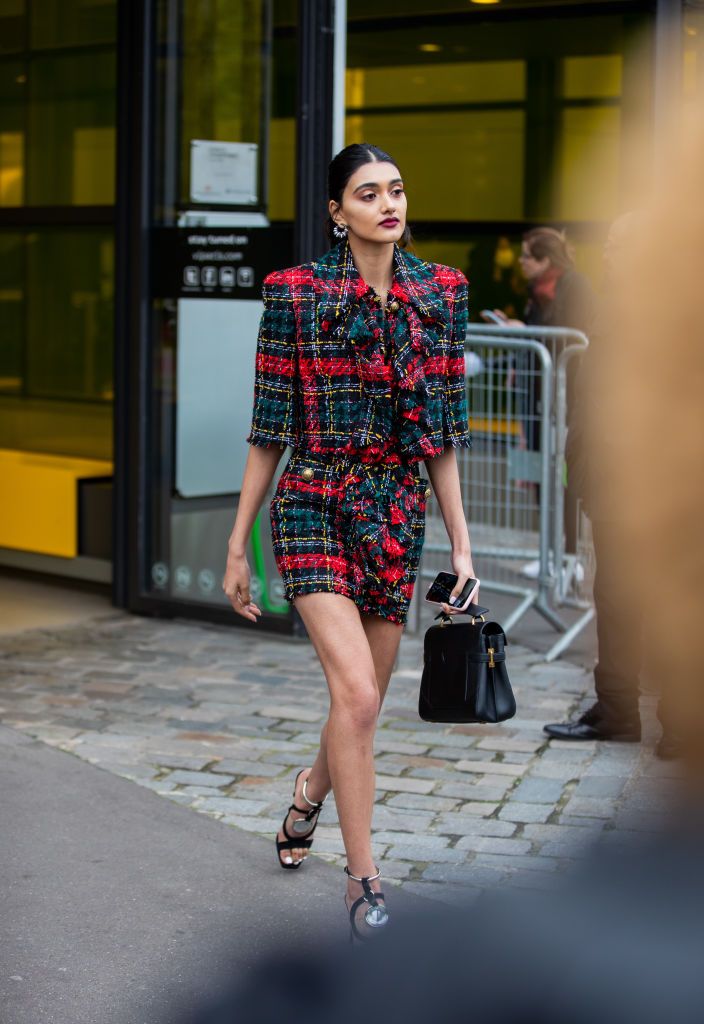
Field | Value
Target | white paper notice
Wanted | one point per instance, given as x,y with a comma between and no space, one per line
224,172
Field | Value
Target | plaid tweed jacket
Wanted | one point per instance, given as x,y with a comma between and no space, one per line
336,373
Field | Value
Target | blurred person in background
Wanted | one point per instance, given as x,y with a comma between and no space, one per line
599,445
558,296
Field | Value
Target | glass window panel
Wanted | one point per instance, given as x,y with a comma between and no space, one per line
588,163
82,429
13,25
13,86
592,77
70,314
222,75
475,173
71,155
11,312
56,23
282,168
431,84
282,126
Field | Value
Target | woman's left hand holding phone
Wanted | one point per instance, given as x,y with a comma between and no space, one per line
462,566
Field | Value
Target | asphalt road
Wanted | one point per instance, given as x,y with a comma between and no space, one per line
118,905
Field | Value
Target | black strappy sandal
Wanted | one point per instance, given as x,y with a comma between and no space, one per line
376,916
300,825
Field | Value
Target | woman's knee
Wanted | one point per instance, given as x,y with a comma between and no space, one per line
359,703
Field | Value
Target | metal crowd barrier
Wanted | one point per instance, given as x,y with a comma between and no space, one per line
512,477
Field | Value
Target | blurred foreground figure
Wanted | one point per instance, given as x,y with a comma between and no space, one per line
599,446
642,447
620,942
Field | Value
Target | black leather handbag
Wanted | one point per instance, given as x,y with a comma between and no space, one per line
464,672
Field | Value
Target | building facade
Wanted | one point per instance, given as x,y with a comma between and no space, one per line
157,159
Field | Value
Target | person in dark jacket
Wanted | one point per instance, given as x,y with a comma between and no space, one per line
559,296
600,444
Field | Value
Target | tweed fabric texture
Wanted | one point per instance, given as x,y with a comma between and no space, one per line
361,395
355,528
323,380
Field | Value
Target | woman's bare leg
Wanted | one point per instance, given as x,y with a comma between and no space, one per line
357,654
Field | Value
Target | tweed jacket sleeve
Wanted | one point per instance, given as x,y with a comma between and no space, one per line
455,420
274,417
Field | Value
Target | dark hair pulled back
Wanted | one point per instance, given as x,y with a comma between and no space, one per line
341,169
550,243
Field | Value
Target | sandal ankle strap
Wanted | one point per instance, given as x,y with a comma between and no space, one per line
312,803
365,879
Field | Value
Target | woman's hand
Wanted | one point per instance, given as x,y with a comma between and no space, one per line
506,321
236,586
462,566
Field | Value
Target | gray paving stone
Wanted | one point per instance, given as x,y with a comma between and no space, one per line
194,764
399,838
208,702
294,714
385,783
385,746
385,817
425,854
590,807
232,766
491,768
587,832
513,810
479,875
509,743
600,786
489,844
185,778
538,791
417,801
462,825
479,790
231,805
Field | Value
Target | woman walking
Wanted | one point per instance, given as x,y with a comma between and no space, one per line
360,370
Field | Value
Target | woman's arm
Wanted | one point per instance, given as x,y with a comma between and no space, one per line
258,473
274,428
445,478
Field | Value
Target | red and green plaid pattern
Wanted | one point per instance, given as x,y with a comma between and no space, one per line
355,528
361,395
323,382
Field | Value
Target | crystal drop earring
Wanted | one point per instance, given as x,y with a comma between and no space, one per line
340,231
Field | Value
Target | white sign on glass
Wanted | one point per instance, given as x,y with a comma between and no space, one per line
224,172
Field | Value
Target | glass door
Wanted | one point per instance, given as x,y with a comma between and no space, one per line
223,193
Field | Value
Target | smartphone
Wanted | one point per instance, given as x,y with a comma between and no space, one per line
443,585
491,317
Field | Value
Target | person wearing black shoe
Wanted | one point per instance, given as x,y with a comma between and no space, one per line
598,447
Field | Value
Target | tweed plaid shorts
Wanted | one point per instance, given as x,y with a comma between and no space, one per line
346,526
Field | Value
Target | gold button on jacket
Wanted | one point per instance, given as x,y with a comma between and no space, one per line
307,473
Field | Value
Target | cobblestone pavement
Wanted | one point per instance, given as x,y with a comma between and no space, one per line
219,719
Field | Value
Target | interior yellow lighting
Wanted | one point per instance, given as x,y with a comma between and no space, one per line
430,48
485,1
40,512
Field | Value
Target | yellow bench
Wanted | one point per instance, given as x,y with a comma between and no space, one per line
39,506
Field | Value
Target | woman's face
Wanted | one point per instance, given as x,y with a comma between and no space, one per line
373,204
530,267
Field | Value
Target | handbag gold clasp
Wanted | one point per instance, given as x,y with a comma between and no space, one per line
478,618
492,663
